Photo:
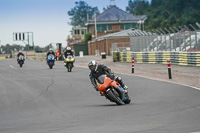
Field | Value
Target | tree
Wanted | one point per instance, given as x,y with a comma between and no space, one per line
165,13
7,49
80,13
38,49
87,37
137,7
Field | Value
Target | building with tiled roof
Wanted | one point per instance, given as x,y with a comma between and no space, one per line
114,20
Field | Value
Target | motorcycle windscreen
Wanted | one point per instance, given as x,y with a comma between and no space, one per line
50,57
69,56
103,82
101,79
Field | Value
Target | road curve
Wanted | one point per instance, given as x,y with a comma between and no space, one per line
35,99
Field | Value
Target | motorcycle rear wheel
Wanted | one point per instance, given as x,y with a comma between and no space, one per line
128,100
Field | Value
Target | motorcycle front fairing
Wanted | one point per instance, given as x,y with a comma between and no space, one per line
21,57
51,59
104,82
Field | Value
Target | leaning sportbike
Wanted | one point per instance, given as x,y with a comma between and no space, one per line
112,90
69,62
50,60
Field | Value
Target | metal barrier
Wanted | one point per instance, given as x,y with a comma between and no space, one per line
181,38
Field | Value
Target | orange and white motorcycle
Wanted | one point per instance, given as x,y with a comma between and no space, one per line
112,90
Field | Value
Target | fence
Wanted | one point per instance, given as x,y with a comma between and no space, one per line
179,58
121,46
180,41
167,39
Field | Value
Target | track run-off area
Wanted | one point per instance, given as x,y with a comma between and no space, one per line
36,99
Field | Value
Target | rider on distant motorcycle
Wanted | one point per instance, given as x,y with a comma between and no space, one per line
98,70
50,52
20,53
68,52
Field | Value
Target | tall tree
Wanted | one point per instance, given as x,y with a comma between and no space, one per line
81,12
137,7
165,13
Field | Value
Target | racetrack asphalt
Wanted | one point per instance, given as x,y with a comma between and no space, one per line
36,99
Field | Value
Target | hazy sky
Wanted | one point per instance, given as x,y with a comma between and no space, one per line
47,19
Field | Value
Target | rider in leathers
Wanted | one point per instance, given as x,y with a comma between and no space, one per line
100,69
20,53
68,52
50,52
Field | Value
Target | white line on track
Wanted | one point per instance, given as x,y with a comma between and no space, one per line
11,66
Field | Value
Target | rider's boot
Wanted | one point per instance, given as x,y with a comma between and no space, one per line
101,94
124,87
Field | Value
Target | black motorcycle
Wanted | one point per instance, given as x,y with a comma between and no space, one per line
21,60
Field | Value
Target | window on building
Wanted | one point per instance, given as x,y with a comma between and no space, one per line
104,27
109,27
76,32
101,27
128,26
121,26
82,32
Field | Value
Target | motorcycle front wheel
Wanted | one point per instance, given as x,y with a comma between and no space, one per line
69,67
20,63
114,97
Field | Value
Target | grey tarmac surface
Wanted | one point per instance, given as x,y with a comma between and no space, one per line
35,99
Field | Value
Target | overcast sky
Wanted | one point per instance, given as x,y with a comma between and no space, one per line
47,19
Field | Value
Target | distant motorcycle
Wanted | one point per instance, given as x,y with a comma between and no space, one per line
50,60
69,62
112,90
21,60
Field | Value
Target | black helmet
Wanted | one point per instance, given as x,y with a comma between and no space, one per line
93,65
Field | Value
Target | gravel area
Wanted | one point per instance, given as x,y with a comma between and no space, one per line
187,75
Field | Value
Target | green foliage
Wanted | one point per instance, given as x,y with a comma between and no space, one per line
38,49
165,13
87,38
80,12
137,7
7,49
